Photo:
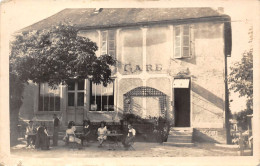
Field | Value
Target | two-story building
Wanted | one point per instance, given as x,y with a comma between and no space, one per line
171,62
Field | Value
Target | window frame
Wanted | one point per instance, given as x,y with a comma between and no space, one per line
181,36
106,34
90,98
54,105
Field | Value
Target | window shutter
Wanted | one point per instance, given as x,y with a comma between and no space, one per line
103,42
186,41
177,42
111,43
192,41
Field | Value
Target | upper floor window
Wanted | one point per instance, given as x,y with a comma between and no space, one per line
102,98
76,93
182,41
108,42
49,99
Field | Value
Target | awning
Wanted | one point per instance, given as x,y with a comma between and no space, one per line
181,83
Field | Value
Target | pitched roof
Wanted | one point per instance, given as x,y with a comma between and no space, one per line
86,18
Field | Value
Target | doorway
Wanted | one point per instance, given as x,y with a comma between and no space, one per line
182,107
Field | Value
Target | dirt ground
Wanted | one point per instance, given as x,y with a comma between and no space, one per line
141,149
143,153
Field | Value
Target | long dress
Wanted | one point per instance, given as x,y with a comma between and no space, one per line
42,139
70,134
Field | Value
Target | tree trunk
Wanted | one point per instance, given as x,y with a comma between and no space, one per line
14,117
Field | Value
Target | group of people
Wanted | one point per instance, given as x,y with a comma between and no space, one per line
126,141
40,138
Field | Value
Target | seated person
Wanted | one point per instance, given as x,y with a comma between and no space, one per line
42,138
102,134
86,131
130,136
30,133
70,134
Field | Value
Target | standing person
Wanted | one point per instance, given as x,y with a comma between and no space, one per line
56,130
130,136
30,133
102,133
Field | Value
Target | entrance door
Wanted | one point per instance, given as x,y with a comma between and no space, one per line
182,106
76,98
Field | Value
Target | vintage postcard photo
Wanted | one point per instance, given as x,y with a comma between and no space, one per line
90,83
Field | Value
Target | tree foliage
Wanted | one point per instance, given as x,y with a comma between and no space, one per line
241,80
52,56
57,55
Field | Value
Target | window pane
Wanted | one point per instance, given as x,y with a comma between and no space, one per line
103,97
70,99
40,104
96,89
186,30
80,99
46,98
186,51
108,91
51,102
57,103
46,103
71,85
108,103
81,85
177,31
186,41
98,102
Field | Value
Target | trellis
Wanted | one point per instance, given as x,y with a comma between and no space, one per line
145,91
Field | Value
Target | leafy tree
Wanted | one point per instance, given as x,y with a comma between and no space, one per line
53,56
241,81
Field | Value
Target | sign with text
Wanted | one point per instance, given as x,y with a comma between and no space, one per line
138,68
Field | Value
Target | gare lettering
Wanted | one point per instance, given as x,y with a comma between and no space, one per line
136,68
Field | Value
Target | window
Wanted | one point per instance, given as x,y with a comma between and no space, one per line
102,98
49,99
182,41
108,43
76,93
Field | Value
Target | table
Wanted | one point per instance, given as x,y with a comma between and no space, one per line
114,138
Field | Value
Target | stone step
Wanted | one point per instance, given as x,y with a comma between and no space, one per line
178,144
179,140
180,136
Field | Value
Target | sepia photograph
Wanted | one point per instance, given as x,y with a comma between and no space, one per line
87,83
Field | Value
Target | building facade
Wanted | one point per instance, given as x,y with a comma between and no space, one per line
174,66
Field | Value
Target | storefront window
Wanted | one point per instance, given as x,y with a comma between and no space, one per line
102,98
76,93
49,99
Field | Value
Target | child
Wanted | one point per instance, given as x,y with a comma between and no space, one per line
130,136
